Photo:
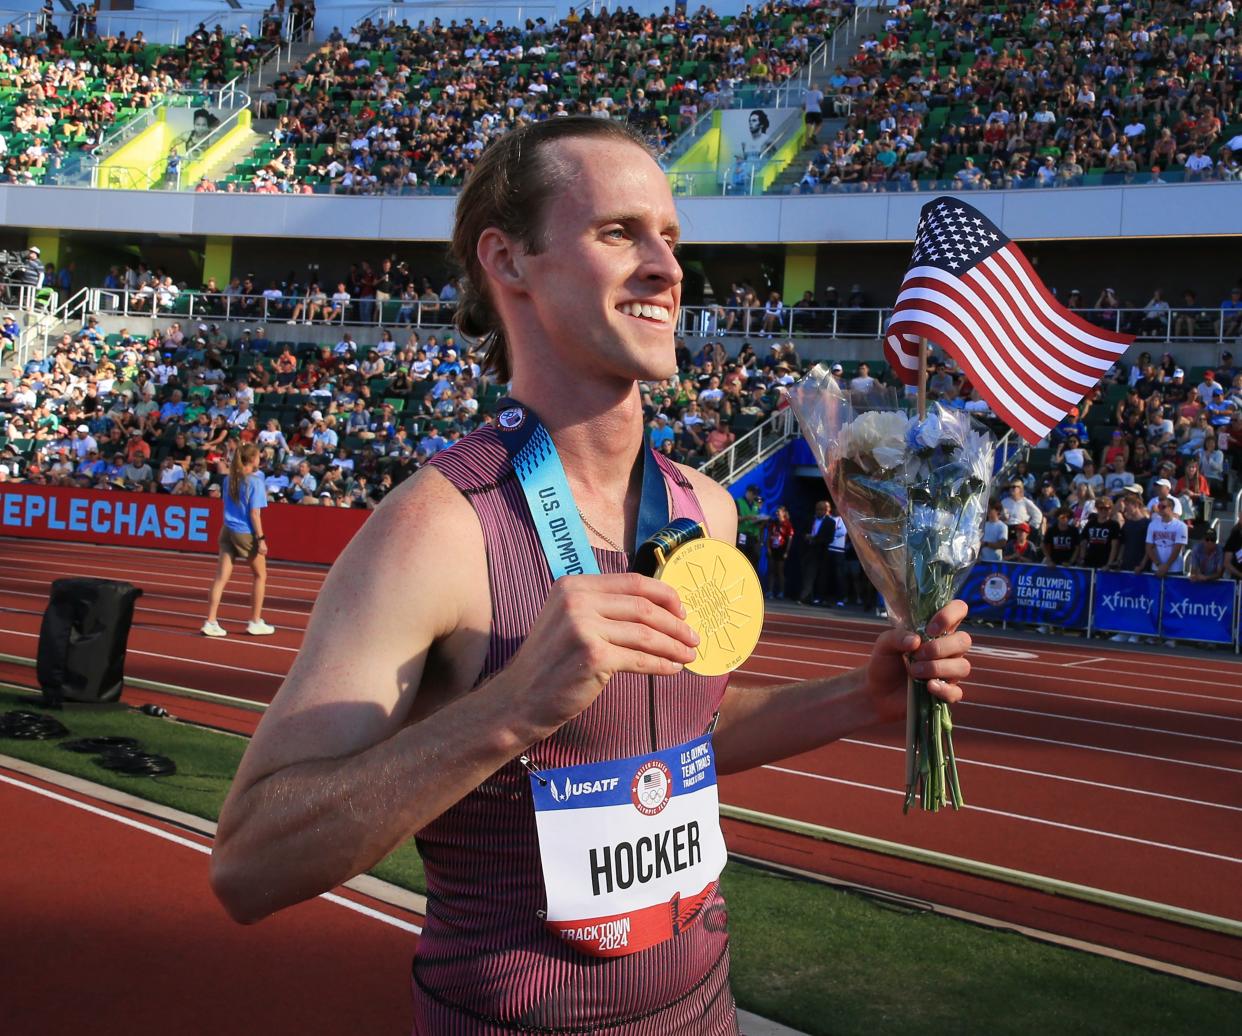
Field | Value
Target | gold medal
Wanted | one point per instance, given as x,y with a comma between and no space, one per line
723,599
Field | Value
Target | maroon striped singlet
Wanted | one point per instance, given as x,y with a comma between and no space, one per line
485,962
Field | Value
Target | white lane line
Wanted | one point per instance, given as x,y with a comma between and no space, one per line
175,658
850,629
1145,756
1102,723
1125,789
331,897
171,631
1083,661
198,599
77,567
1046,740
201,567
1108,701
21,544
1017,816
1146,673
971,702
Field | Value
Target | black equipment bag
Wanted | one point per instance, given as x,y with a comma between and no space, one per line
83,639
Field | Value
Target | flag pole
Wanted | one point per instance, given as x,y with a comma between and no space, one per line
922,378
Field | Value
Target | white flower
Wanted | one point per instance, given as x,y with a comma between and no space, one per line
876,441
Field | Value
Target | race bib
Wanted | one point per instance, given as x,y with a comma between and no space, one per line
631,848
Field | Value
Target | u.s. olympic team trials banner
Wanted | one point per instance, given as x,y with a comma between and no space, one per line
1127,603
1001,591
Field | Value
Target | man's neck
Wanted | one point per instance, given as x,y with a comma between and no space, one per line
597,428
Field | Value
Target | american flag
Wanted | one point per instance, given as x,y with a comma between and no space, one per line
972,292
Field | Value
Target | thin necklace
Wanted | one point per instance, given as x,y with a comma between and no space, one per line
619,550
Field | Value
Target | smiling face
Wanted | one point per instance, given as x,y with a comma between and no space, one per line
600,297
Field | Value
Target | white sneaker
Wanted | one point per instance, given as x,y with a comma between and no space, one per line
214,629
260,629
1119,638
1134,640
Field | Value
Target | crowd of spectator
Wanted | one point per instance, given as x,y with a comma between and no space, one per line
337,425
392,106
1036,94
1132,479
61,94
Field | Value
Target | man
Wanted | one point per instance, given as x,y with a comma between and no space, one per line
750,523
815,543
1021,549
454,694
1164,489
1061,543
1167,537
1133,556
1100,544
1020,509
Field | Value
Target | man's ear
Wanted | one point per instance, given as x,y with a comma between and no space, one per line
501,258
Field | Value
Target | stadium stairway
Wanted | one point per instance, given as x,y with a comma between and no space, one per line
788,179
238,153
870,20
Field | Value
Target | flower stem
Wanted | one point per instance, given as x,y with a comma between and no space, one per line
931,764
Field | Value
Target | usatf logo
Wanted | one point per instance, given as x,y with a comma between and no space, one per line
652,788
512,418
573,788
996,589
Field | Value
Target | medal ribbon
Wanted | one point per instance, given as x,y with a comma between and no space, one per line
562,535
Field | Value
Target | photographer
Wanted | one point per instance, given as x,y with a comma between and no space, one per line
750,523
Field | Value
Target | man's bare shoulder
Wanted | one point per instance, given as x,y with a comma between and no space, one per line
423,535
716,501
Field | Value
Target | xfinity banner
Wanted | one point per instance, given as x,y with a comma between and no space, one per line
1199,611
1126,603
1036,594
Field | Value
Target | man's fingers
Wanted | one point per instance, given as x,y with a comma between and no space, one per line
944,669
953,645
947,619
949,692
629,584
637,637
645,612
900,642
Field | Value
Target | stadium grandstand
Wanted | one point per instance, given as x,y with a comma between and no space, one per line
132,366
229,224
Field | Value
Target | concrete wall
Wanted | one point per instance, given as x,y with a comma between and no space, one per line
1083,213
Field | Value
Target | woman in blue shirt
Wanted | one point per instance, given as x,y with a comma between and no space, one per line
242,539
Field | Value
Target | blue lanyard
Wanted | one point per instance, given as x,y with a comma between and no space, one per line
562,535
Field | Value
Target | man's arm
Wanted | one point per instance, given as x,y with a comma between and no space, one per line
349,760
762,725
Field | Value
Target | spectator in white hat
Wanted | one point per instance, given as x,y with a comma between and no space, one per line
1164,491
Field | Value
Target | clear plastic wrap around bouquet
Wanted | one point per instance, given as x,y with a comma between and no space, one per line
913,494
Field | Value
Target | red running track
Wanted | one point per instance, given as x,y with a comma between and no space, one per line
112,930
1116,769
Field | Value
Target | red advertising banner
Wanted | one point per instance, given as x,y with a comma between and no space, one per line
182,523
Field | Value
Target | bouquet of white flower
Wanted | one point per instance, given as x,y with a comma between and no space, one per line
913,494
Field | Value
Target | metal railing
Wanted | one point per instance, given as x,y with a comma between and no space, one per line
365,312
751,449
1199,324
